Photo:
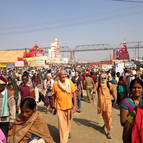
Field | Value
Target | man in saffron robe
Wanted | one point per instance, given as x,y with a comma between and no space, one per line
104,104
63,92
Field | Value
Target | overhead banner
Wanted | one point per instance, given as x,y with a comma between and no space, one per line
36,61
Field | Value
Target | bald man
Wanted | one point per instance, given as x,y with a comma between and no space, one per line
63,92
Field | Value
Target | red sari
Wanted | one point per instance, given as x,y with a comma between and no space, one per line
137,130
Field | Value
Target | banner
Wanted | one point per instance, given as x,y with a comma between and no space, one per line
119,68
129,64
9,66
2,65
106,67
19,64
55,61
36,61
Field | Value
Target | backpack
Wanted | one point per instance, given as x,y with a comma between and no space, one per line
121,89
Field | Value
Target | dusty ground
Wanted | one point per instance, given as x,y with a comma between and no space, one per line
86,126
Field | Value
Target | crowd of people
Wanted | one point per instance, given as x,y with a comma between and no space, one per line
62,88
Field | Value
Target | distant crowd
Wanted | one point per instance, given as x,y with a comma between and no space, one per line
61,89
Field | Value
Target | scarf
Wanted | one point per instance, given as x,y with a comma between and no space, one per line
15,87
4,112
103,88
23,130
66,87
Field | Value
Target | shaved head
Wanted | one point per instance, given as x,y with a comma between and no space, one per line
62,75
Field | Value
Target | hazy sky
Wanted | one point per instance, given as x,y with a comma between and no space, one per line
73,22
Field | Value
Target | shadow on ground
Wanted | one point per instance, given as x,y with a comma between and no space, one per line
116,106
54,133
42,109
85,99
89,123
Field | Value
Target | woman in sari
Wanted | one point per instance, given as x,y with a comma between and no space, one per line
129,108
129,103
30,125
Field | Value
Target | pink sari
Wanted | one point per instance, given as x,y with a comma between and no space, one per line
2,137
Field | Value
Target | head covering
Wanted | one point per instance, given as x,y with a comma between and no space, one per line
87,74
3,80
15,88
